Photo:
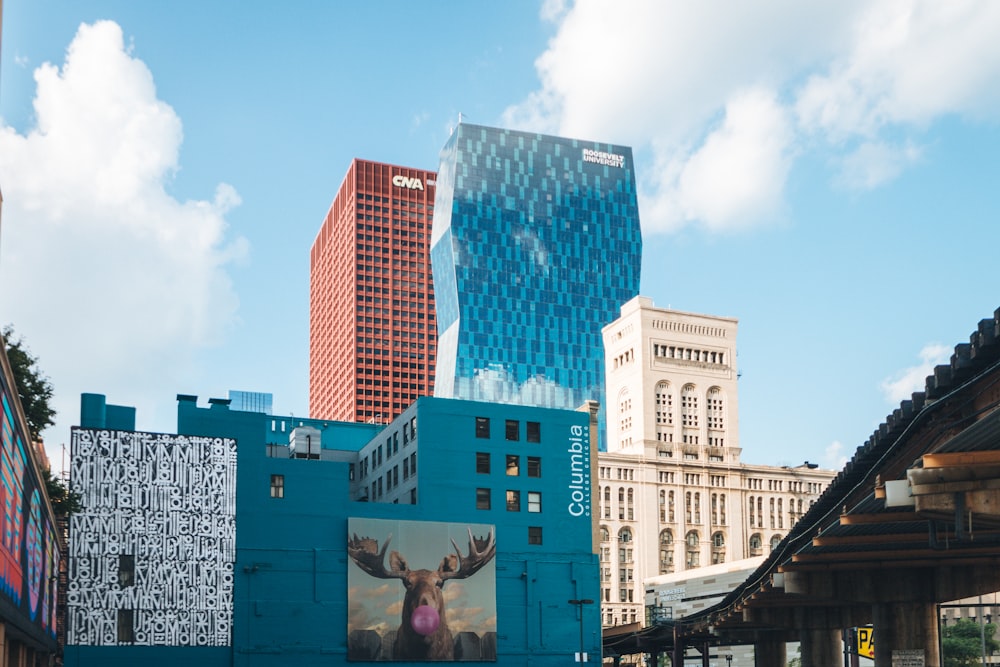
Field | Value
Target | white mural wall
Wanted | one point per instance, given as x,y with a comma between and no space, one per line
151,554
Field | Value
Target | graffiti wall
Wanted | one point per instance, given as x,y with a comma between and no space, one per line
151,555
29,553
420,590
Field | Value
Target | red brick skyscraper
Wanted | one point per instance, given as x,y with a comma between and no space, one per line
372,332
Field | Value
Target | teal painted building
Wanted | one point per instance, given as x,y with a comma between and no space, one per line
279,540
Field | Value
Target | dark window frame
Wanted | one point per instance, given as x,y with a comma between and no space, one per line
534,466
513,500
483,500
533,431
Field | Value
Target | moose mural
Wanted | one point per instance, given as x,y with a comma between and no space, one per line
423,632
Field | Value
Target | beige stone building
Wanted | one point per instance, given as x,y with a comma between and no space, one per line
673,493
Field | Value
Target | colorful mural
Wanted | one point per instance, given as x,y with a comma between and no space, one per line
29,553
445,613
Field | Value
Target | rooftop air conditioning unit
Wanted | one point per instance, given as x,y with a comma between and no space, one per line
305,443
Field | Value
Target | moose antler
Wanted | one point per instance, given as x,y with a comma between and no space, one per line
481,552
365,552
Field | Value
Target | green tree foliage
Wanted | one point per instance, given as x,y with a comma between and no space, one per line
35,391
64,501
962,643
33,387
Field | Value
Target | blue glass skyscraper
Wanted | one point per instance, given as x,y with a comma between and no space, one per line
535,246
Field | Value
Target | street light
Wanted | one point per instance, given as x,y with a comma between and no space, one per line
582,655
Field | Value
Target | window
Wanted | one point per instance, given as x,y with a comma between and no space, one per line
756,546
605,536
625,535
126,570
534,431
534,534
277,486
413,463
513,465
716,411
482,427
534,466
666,552
482,463
513,501
693,551
482,499
126,633
718,548
534,501
513,429
689,407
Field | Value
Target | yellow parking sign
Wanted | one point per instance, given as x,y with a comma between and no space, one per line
866,642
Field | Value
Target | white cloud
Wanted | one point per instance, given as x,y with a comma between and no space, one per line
736,176
107,277
873,163
834,457
909,62
702,90
903,384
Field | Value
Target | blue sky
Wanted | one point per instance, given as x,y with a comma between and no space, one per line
824,172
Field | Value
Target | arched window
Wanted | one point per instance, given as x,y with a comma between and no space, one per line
670,507
605,535
722,509
688,516
775,541
718,548
663,506
715,409
625,535
781,515
664,412
753,515
666,551
693,550
624,414
607,502
630,507
756,545
689,407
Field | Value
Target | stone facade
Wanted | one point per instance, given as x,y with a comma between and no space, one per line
673,492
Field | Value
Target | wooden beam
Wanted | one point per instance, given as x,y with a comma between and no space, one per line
879,517
862,559
886,538
890,538
946,460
